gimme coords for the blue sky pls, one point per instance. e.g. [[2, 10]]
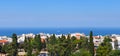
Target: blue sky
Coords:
[[60, 13]]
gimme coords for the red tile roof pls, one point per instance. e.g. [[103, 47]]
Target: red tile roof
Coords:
[[3, 41]]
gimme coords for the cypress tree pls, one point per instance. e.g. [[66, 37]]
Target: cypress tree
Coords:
[[63, 38], [15, 44], [69, 38], [38, 42], [29, 48], [91, 44], [25, 44]]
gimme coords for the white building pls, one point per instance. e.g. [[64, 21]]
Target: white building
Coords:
[[21, 38], [77, 35], [118, 38], [6, 38]]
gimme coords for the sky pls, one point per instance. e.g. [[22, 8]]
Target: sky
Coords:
[[59, 13]]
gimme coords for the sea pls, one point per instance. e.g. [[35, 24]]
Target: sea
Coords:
[[86, 31]]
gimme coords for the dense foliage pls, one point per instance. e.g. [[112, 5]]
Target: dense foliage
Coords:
[[91, 44], [66, 45]]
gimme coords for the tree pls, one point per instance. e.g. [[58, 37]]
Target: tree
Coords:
[[107, 39], [73, 38], [25, 44], [63, 38], [53, 39], [15, 44], [51, 44], [102, 51], [38, 42], [83, 43], [65, 46], [81, 52], [105, 48], [8, 48], [69, 38], [29, 48], [91, 44], [114, 53]]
